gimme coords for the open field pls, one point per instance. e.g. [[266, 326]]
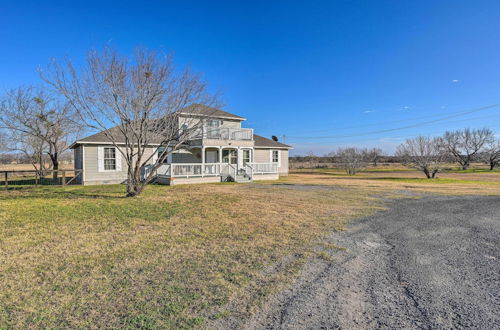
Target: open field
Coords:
[[179, 256], [29, 167], [474, 181]]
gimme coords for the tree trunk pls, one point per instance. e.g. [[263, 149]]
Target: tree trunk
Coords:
[[427, 173], [55, 165], [434, 172], [492, 165], [134, 184]]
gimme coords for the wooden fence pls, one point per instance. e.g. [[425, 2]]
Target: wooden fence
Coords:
[[46, 177]]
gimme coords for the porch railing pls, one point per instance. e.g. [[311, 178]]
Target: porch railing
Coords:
[[209, 169], [264, 168]]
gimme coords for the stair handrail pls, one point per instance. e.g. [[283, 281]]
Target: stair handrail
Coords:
[[251, 169]]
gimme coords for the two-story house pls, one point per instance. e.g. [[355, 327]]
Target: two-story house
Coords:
[[220, 149]]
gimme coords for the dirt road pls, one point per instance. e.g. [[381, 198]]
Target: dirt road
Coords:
[[431, 263]]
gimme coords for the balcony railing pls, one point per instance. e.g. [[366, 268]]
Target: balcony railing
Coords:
[[227, 133]]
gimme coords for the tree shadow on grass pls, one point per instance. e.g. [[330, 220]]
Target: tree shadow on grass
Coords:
[[31, 192]]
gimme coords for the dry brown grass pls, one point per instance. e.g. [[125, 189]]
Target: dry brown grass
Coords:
[[29, 167], [484, 183], [177, 256], [85, 256]]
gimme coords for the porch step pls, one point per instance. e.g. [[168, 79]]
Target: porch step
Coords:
[[243, 179]]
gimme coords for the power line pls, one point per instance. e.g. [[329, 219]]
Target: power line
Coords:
[[458, 114], [325, 143]]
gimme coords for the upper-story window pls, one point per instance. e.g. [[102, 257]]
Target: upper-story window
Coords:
[[215, 123]]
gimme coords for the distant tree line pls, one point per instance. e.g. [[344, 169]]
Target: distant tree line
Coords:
[[427, 154], [37, 126]]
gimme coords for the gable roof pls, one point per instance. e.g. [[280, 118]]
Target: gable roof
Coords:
[[203, 110], [260, 141], [263, 142], [114, 132]]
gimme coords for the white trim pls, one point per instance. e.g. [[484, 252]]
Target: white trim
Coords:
[[83, 164], [109, 143], [118, 160], [154, 157], [271, 156], [190, 114], [100, 159], [286, 148]]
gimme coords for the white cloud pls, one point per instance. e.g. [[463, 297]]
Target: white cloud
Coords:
[[455, 80], [369, 111]]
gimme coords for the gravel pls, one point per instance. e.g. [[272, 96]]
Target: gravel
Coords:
[[428, 263]]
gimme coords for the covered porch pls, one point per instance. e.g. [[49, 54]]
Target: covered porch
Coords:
[[214, 164]]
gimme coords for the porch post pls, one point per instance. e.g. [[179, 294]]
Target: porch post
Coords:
[[202, 161], [220, 155], [239, 159]]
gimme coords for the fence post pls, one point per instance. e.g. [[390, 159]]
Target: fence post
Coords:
[[6, 180], [63, 177]]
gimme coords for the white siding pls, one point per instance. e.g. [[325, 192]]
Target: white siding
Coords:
[[264, 156], [91, 167]]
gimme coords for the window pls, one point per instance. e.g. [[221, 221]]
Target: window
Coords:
[[109, 159], [230, 156], [275, 156], [246, 156], [214, 123], [161, 150]]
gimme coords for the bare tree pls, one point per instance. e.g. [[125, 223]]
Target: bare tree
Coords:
[[464, 145], [32, 148], [3, 142], [352, 160], [491, 154], [374, 155], [141, 98], [38, 123], [423, 153]]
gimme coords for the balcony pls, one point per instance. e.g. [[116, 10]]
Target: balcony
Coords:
[[227, 133]]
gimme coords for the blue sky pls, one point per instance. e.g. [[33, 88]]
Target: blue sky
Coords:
[[323, 73]]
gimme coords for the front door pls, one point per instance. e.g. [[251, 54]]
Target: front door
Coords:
[[230, 156]]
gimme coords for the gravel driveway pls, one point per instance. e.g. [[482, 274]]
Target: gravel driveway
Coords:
[[431, 263]]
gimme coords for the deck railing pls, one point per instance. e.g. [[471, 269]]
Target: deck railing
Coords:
[[209, 169], [264, 168]]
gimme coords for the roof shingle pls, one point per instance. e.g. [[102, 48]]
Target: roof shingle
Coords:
[[203, 110], [261, 141]]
